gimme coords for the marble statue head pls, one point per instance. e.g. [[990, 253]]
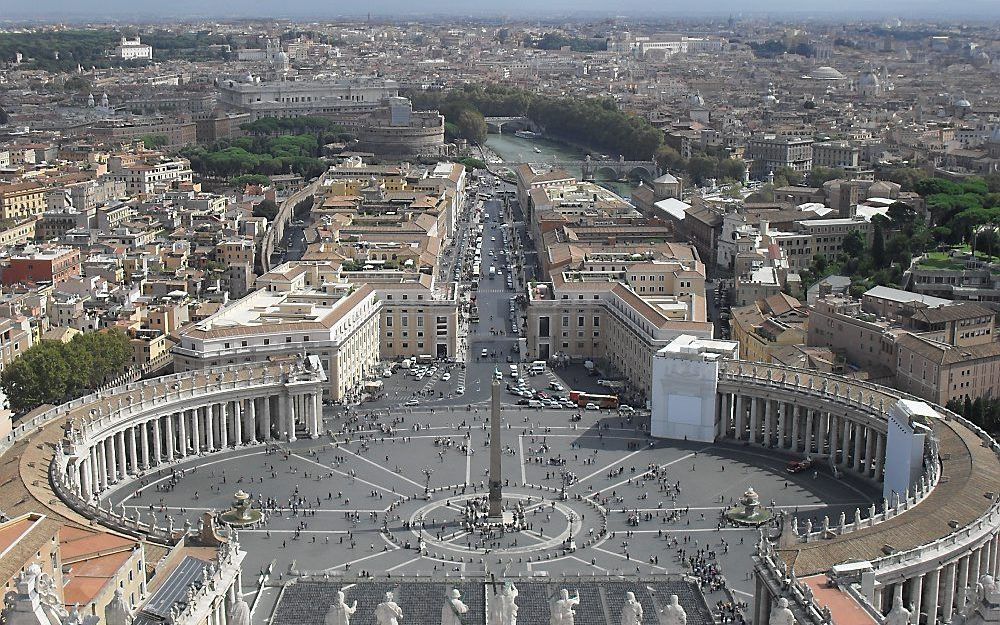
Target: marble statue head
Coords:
[[564, 594], [340, 597], [455, 594], [674, 600], [630, 596], [388, 597], [782, 603]]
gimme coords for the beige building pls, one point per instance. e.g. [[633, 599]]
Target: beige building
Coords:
[[940, 372], [864, 339], [768, 325], [21, 199], [337, 322], [578, 317]]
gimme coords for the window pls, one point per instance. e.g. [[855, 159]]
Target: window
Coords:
[[288, 339], [267, 341]]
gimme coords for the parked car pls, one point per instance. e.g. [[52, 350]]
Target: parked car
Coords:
[[592, 406], [798, 466]]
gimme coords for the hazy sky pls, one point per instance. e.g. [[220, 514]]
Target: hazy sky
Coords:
[[58, 10]]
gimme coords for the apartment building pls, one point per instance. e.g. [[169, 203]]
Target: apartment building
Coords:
[[836, 154], [768, 325], [418, 317], [576, 317], [337, 322], [43, 264], [767, 153], [866, 340], [21, 199], [940, 372], [143, 176]]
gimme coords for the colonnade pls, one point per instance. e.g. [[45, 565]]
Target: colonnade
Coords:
[[145, 443], [939, 594], [777, 423]]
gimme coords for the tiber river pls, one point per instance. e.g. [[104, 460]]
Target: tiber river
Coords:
[[517, 150]]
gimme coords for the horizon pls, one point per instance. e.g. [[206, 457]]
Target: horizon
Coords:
[[112, 11]]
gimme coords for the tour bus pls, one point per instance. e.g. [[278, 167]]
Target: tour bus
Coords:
[[602, 401], [493, 272]]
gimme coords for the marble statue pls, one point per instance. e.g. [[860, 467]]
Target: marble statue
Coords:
[[453, 608], [781, 614], [673, 613], [898, 615], [631, 611], [987, 589], [562, 609], [239, 614], [117, 612], [340, 613], [388, 612], [503, 610]]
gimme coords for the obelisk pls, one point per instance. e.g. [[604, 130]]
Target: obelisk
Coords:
[[496, 497]]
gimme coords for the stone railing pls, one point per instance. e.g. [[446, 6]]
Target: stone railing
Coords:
[[865, 397], [131, 526], [901, 504]]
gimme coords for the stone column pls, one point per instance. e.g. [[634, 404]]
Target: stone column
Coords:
[[133, 460], [83, 480], [974, 567], [754, 419], [810, 431], [287, 416], [265, 417], [991, 556], [237, 423], [963, 582], [210, 427], [932, 583], [182, 432], [252, 420], [796, 417], [741, 418], [170, 438], [120, 455], [916, 597], [144, 444], [102, 462], [879, 456], [119, 452], [845, 459], [859, 439], [196, 429], [318, 412], [870, 438], [948, 594], [157, 442], [223, 425], [768, 422]]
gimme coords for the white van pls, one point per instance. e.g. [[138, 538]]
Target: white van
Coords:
[[534, 403], [537, 367]]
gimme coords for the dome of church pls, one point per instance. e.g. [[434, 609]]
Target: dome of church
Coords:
[[868, 79], [962, 103], [826, 72]]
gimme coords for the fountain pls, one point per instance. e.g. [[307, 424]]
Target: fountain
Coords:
[[748, 511], [240, 514]]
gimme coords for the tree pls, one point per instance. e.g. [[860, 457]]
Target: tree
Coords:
[[471, 126], [51, 372], [790, 176], [819, 175], [854, 244], [267, 209], [878, 245], [153, 142]]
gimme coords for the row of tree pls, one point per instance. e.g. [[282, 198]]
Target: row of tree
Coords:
[[52, 372], [983, 411], [592, 122], [263, 155]]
